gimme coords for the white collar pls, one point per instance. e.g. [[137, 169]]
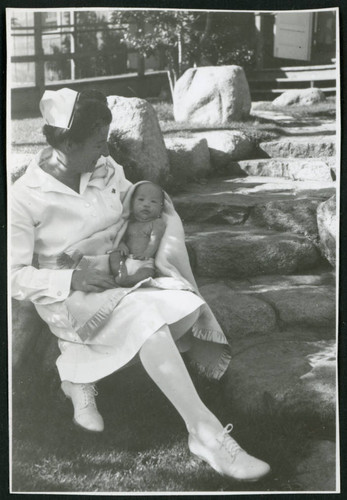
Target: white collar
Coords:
[[35, 176]]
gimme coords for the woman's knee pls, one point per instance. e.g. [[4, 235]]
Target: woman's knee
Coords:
[[183, 325]]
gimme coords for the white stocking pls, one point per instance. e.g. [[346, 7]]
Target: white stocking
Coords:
[[164, 364]]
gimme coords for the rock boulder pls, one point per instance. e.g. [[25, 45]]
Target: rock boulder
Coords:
[[26, 328], [239, 314], [212, 95], [213, 212], [297, 377], [189, 159], [247, 251], [299, 216], [297, 169], [327, 227], [302, 97], [304, 147], [305, 305], [226, 146], [136, 141], [34, 347]]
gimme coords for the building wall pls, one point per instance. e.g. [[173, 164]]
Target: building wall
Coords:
[[323, 49]]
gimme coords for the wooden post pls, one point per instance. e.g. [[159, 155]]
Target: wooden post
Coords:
[[140, 57], [73, 44], [39, 60], [179, 53], [140, 65], [260, 42]]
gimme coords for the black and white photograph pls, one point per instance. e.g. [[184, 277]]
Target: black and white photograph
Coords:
[[173, 187]]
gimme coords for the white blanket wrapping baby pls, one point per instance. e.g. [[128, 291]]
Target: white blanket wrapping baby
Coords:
[[88, 312]]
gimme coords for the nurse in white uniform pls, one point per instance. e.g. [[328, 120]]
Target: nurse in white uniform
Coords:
[[70, 191]]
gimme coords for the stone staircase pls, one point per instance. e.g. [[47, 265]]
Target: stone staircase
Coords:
[[253, 245]]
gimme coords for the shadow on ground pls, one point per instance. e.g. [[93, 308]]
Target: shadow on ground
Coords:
[[144, 445]]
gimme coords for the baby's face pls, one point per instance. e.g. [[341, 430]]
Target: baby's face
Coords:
[[147, 202]]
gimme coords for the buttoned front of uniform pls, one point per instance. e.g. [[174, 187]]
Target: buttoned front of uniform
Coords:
[[47, 217]]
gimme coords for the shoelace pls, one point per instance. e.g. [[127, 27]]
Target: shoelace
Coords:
[[89, 392], [228, 443]]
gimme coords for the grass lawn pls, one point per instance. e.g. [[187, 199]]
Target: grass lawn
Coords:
[[27, 136], [326, 109], [144, 445]]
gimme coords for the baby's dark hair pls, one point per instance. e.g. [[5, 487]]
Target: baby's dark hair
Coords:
[[153, 184], [91, 113]]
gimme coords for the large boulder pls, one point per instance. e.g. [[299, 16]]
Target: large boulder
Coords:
[[327, 227], [189, 159], [299, 97], [136, 141], [226, 146], [212, 96], [239, 314], [34, 348], [236, 252], [297, 216], [26, 328], [292, 376]]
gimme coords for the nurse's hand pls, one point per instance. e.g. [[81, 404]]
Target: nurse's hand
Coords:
[[91, 280]]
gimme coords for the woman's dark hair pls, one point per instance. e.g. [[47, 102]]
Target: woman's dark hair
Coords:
[[91, 113]]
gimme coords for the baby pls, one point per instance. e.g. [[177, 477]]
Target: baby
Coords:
[[133, 260]]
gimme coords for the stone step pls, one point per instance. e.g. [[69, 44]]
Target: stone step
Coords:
[[300, 147], [279, 376], [223, 145], [264, 304], [281, 331], [297, 169], [276, 203], [244, 251]]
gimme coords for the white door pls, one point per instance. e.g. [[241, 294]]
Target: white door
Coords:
[[293, 35]]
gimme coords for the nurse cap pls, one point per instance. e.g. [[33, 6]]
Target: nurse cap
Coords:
[[58, 107]]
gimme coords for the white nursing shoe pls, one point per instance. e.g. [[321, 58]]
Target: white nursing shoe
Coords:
[[86, 414], [224, 455]]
